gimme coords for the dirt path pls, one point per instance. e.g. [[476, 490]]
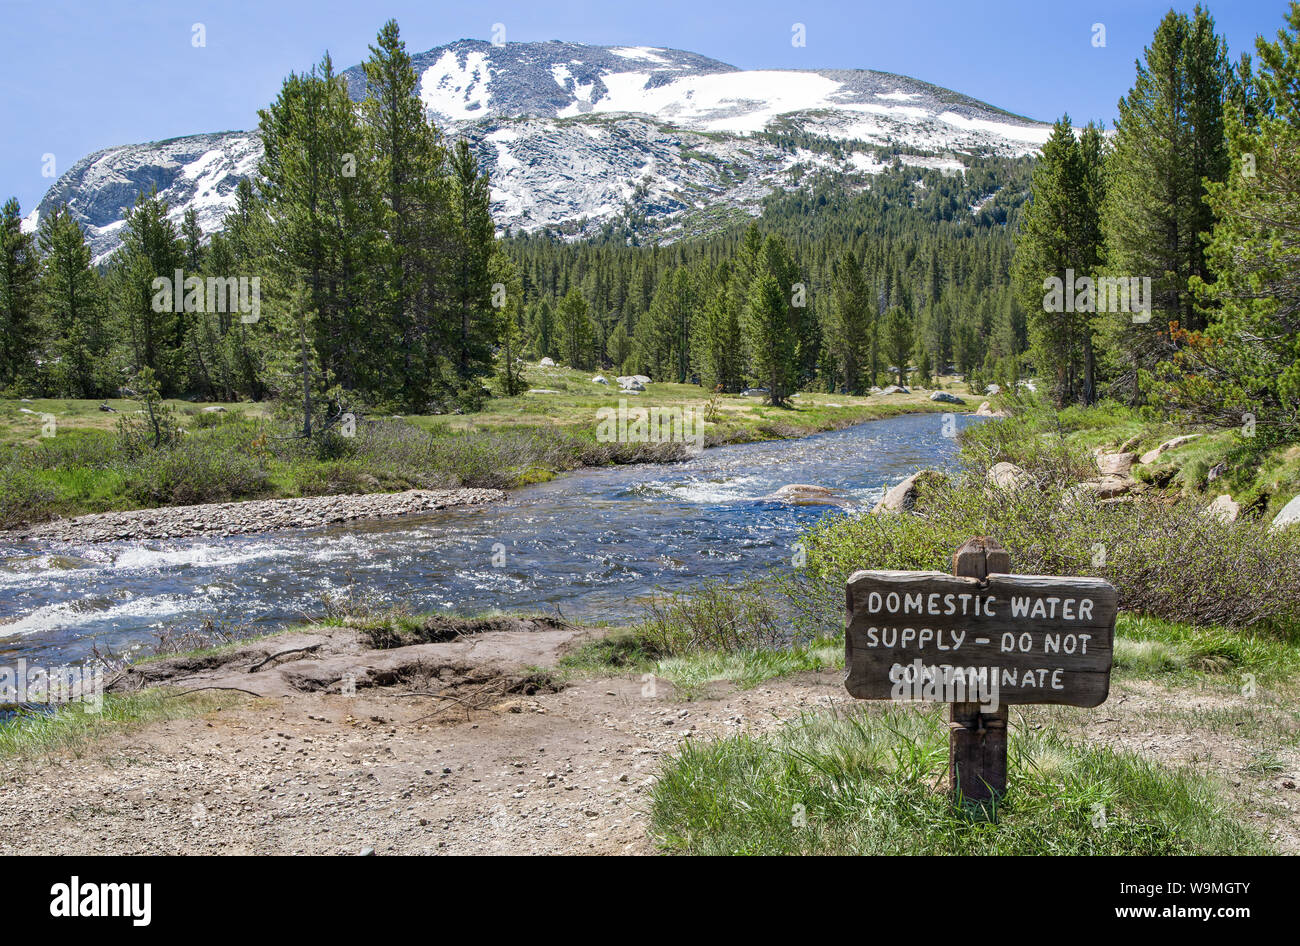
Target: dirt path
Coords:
[[313, 767]]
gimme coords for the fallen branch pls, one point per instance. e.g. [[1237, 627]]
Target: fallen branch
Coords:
[[284, 653], [197, 689]]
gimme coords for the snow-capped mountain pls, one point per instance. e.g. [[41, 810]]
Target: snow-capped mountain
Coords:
[[576, 136]]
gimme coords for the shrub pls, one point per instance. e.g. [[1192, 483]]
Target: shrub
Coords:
[[90, 449], [1165, 557], [195, 470], [25, 497], [712, 617], [1031, 444]]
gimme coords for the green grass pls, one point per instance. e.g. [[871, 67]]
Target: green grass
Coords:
[[1150, 648], [1258, 473], [864, 783], [70, 729], [691, 674], [71, 414]]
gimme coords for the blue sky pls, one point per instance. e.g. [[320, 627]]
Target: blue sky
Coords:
[[79, 75]]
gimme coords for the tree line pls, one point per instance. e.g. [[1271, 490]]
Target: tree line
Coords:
[[904, 276], [382, 283]]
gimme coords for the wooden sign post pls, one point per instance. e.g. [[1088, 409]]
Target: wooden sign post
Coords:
[[979, 639]]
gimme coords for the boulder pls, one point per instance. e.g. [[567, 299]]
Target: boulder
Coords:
[[1224, 508], [1109, 487], [600, 379], [895, 389], [1008, 476], [993, 389], [754, 392], [1289, 516], [215, 409], [946, 397], [902, 497], [985, 411], [546, 363], [804, 493], [1216, 471], [1152, 455], [1103, 489], [1115, 464]]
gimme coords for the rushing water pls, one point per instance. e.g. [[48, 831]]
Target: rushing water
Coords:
[[589, 544]]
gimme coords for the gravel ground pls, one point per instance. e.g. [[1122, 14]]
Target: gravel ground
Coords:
[[493, 764]]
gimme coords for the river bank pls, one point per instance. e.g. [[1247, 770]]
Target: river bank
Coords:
[[236, 452], [252, 516]]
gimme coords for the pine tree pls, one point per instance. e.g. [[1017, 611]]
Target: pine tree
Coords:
[[770, 337], [320, 198], [1060, 239], [717, 346], [899, 340], [408, 158], [1169, 137], [575, 330], [155, 326], [192, 235], [19, 272], [663, 336], [541, 329], [507, 293], [851, 323], [619, 346], [471, 249], [242, 251], [70, 297], [1249, 362]]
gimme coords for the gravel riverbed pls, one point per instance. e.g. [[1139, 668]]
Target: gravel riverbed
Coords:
[[260, 515]]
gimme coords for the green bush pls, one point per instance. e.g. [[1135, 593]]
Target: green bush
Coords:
[[25, 497], [1165, 557], [195, 470], [712, 617]]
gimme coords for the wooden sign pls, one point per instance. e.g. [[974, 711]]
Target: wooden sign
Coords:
[[979, 639], [1014, 638]]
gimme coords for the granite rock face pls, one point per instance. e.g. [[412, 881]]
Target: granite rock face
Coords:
[[578, 138]]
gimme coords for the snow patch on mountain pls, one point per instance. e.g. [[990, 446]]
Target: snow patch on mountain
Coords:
[[575, 136], [199, 171]]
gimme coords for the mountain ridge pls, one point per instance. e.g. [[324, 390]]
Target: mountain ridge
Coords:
[[577, 136]]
